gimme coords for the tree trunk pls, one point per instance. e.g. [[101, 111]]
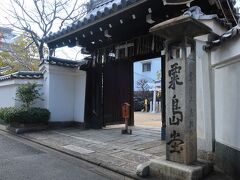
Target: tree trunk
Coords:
[[40, 51]]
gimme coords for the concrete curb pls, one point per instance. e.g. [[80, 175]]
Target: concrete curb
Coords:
[[26, 129], [76, 155]]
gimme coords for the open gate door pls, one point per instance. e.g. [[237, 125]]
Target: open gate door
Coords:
[[118, 89]]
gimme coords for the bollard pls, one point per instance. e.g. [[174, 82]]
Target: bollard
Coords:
[[125, 116]]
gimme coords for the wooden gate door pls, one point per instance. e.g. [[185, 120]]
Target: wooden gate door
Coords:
[[118, 88], [94, 92]]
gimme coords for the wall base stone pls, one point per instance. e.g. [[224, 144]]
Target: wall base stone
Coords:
[[227, 160], [167, 170], [27, 128]]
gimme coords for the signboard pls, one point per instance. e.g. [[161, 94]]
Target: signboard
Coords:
[[125, 110]]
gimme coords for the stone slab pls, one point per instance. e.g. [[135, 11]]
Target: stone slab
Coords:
[[179, 27], [149, 145], [78, 149], [156, 150], [130, 156], [167, 170]]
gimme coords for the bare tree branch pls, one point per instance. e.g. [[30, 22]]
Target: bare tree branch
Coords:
[[42, 17]]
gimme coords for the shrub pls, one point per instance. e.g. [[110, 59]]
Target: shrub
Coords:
[[27, 93], [24, 115], [1, 119], [1, 116], [5, 114]]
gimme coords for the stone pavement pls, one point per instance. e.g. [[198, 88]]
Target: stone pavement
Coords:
[[106, 147]]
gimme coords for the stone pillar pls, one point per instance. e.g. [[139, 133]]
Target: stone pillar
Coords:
[[181, 137], [180, 69], [154, 100], [159, 106], [151, 105], [180, 86]]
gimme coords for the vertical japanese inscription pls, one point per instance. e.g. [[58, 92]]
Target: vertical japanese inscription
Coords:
[[173, 73], [177, 115], [175, 143]]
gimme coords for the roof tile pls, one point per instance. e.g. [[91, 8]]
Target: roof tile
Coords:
[[98, 12]]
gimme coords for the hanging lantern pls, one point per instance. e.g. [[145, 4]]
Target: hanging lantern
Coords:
[[176, 2]]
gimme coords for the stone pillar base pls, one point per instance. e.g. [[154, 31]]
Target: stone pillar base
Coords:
[[167, 170]]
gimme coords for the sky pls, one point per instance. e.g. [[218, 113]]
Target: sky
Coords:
[[238, 3], [67, 53], [5, 4]]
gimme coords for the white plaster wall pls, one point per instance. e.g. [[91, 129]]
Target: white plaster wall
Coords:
[[205, 131], [205, 89], [218, 99], [61, 102], [7, 93], [65, 93], [226, 65], [80, 84], [8, 90], [46, 88]]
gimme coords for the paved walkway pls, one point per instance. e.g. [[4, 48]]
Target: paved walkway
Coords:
[[106, 147], [147, 119]]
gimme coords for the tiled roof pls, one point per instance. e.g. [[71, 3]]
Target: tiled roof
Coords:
[[23, 75], [100, 11], [235, 31], [64, 62]]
